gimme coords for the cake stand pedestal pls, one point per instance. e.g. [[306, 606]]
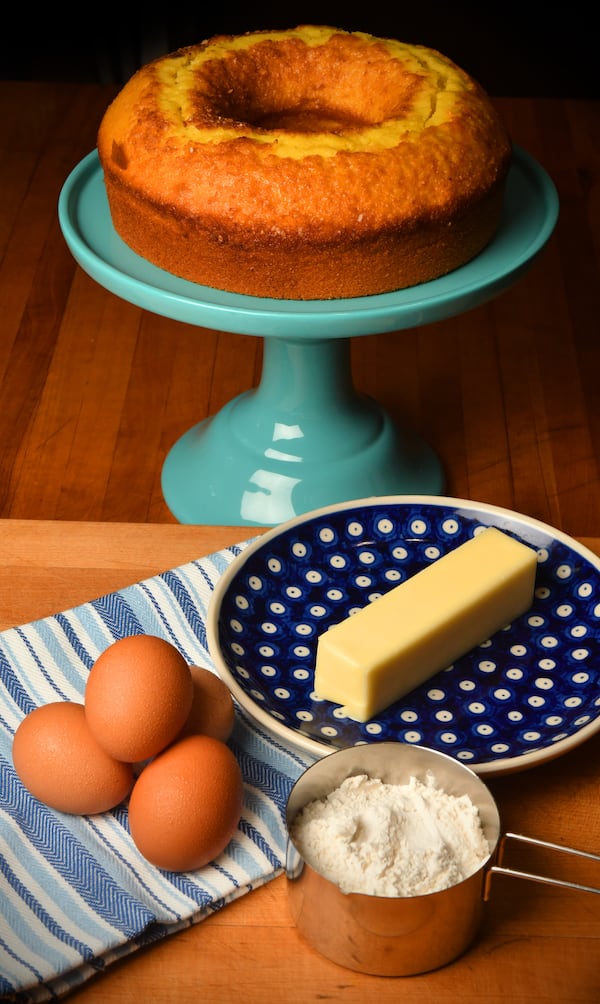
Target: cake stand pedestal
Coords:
[[304, 437]]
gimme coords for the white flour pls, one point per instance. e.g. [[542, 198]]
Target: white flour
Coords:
[[391, 839]]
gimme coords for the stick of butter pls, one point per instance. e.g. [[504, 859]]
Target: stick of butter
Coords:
[[379, 654]]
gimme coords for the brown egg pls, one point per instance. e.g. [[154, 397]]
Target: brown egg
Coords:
[[60, 762], [212, 712], [186, 804], [138, 696]]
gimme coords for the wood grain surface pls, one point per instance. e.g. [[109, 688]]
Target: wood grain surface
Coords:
[[95, 391], [537, 944]]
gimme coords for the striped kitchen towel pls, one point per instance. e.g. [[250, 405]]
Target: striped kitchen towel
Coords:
[[75, 894]]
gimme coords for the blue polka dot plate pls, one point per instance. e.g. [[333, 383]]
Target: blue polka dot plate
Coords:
[[528, 694]]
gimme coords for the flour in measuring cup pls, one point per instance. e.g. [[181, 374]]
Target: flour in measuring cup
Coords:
[[391, 839]]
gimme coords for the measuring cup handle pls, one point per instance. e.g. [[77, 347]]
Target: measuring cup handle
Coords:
[[499, 869]]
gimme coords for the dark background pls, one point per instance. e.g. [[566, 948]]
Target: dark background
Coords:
[[533, 50]]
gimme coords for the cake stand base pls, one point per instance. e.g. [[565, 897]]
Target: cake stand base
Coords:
[[304, 438], [203, 484]]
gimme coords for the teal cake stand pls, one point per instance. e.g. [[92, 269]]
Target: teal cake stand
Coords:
[[304, 437]]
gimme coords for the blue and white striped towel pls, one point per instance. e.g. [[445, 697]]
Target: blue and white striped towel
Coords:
[[75, 894]]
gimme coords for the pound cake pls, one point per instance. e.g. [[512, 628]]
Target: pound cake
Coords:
[[309, 163]]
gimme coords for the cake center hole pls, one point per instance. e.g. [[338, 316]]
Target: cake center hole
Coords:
[[299, 89], [303, 90], [308, 120]]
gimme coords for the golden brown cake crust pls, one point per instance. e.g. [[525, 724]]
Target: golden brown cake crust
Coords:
[[304, 164]]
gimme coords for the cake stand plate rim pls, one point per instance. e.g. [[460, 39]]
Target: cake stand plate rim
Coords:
[[531, 212]]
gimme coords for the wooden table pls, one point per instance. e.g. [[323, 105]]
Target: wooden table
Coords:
[[93, 393], [537, 944]]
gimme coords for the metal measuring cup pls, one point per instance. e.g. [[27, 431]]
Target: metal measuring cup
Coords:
[[398, 936]]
